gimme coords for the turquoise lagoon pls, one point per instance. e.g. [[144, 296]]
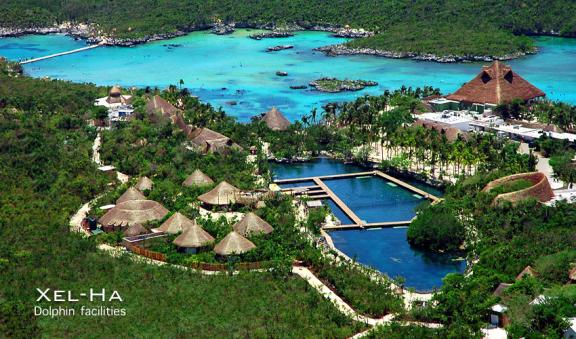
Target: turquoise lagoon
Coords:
[[221, 69], [373, 199]]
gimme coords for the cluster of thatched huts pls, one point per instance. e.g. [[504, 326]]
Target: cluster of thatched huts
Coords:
[[133, 209]]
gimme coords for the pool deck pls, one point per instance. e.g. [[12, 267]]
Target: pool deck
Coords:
[[321, 191]]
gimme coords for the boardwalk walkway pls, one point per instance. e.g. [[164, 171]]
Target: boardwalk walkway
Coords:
[[60, 54], [319, 190]]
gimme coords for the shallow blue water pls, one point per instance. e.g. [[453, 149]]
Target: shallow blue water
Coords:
[[388, 251], [220, 69], [374, 200]]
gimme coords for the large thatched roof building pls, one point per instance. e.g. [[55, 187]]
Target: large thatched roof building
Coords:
[[232, 244], [275, 120], [158, 105], [209, 141], [252, 224], [197, 178], [132, 212], [130, 194], [177, 223], [496, 84], [144, 184], [221, 195], [193, 238]]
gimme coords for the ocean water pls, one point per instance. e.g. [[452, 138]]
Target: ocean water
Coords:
[[373, 199], [222, 69]]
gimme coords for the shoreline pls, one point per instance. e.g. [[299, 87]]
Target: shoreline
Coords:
[[91, 34], [341, 49]]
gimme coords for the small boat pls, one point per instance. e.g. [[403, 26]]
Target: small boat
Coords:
[[281, 73], [298, 87]]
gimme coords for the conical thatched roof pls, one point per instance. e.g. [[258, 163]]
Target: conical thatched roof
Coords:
[[178, 222], [197, 178], [131, 194], [223, 194], [275, 120], [193, 237], [144, 184], [115, 91], [233, 243], [132, 212], [252, 224], [135, 229]]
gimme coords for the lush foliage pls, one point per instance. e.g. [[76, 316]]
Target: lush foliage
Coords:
[[436, 228], [446, 38], [45, 175], [451, 27]]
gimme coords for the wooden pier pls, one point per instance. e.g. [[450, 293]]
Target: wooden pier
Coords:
[[60, 54], [319, 190], [385, 224]]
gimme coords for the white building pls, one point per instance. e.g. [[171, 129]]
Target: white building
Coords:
[[119, 105]]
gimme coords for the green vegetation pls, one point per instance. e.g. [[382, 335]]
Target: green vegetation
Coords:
[[560, 114], [504, 240], [511, 186], [436, 228], [449, 27], [446, 38], [45, 175]]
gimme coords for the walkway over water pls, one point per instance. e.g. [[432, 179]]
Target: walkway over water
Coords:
[[60, 54], [319, 190]]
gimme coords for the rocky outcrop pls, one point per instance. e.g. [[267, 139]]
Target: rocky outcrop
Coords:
[[353, 33], [220, 28], [335, 50], [279, 48], [333, 85], [272, 34]]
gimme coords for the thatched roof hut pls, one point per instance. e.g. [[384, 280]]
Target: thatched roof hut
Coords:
[[115, 96], [496, 84], [130, 194], [275, 120], [193, 237], [197, 178], [209, 141], [221, 195], [177, 223], [134, 230], [252, 224], [233, 243], [158, 105], [144, 183], [132, 212]]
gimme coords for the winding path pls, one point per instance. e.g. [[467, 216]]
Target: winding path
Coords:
[[303, 272]]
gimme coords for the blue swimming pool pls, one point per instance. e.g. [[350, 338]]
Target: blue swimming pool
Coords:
[[375, 199]]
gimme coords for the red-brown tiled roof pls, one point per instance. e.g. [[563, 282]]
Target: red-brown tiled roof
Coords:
[[496, 84]]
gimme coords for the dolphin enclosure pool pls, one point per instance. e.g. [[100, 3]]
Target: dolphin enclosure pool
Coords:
[[375, 200]]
